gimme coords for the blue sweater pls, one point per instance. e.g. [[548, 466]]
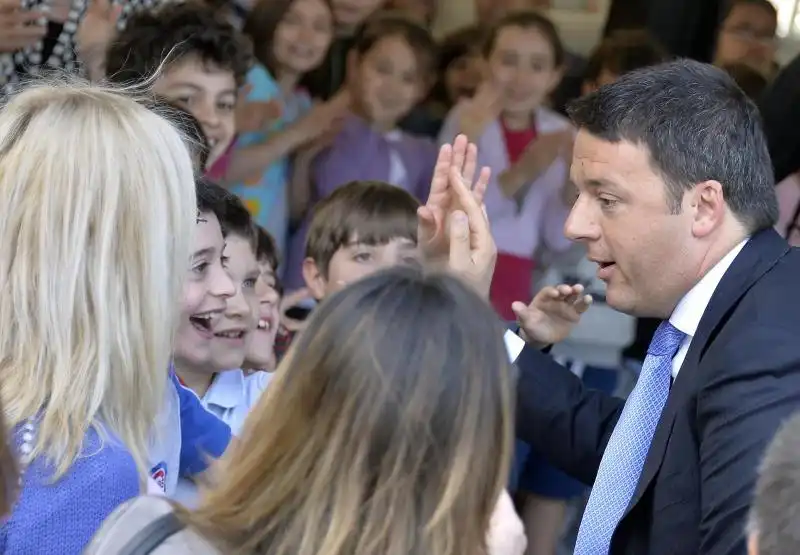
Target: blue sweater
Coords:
[[61, 518]]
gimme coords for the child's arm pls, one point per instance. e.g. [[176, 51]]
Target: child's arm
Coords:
[[255, 159], [301, 182], [552, 314], [535, 161], [471, 117], [95, 32]]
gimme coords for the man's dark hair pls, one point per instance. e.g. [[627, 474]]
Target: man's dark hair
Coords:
[[775, 511], [177, 31], [697, 125], [624, 51], [228, 208]]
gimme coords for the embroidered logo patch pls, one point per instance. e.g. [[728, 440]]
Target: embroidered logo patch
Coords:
[[159, 475]]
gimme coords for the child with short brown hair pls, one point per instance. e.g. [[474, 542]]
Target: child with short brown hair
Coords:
[[362, 227]]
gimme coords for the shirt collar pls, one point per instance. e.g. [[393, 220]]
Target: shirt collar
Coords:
[[687, 315], [227, 389]]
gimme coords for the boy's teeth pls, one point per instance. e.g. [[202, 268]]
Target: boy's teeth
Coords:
[[263, 324]]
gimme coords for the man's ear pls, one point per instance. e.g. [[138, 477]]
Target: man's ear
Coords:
[[314, 279]]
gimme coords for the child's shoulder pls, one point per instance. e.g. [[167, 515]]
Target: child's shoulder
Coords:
[[549, 121], [262, 84]]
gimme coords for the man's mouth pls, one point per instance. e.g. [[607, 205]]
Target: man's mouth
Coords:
[[604, 269], [265, 324]]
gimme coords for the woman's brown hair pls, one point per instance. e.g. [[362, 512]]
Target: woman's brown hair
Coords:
[[387, 429]]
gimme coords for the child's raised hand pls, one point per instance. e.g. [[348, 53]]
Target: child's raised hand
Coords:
[[255, 115], [432, 230], [19, 27], [324, 117], [479, 111], [552, 314], [98, 25]]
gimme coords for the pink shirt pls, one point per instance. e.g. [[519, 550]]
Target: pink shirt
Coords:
[[219, 168]]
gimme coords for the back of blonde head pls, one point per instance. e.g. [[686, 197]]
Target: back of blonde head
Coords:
[[96, 221]]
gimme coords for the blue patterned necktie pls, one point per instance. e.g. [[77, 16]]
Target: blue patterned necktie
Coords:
[[627, 448]]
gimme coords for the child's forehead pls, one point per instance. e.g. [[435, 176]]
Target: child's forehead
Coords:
[[355, 241], [192, 71]]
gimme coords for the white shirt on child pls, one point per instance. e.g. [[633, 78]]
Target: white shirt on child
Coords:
[[231, 396]]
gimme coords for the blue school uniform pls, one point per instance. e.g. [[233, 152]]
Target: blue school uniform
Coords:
[[187, 436]]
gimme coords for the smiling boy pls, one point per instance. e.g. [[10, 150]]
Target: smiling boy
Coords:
[[204, 58]]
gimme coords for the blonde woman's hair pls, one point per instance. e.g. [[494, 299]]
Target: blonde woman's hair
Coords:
[[388, 429], [96, 224]]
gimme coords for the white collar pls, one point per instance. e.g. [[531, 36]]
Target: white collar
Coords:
[[227, 389], [687, 315]]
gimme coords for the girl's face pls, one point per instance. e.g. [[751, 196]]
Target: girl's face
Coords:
[[303, 36], [748, 36], [205, 295], [389, 81], [462, 76], [261, 352], [522, 67]]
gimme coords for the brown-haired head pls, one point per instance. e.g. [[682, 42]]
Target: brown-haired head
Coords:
[[388, 428], [261, 24], [395, 24], [622, 52], [527, 19], [369, 212]]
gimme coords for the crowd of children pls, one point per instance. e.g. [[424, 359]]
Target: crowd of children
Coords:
[[323, 119]]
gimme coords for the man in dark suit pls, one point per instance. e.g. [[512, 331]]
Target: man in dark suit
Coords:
[[676, 206]]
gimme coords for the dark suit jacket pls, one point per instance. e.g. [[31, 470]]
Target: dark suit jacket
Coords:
[[739, 381]]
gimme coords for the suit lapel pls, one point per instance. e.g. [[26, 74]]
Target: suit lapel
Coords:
[[757, 257]]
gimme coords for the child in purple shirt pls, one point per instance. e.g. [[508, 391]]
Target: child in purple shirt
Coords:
[[394, 61]]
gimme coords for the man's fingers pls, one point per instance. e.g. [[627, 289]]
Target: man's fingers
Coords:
[[583, 303]]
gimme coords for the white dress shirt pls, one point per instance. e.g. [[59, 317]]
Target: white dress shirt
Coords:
[[687, 315]]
